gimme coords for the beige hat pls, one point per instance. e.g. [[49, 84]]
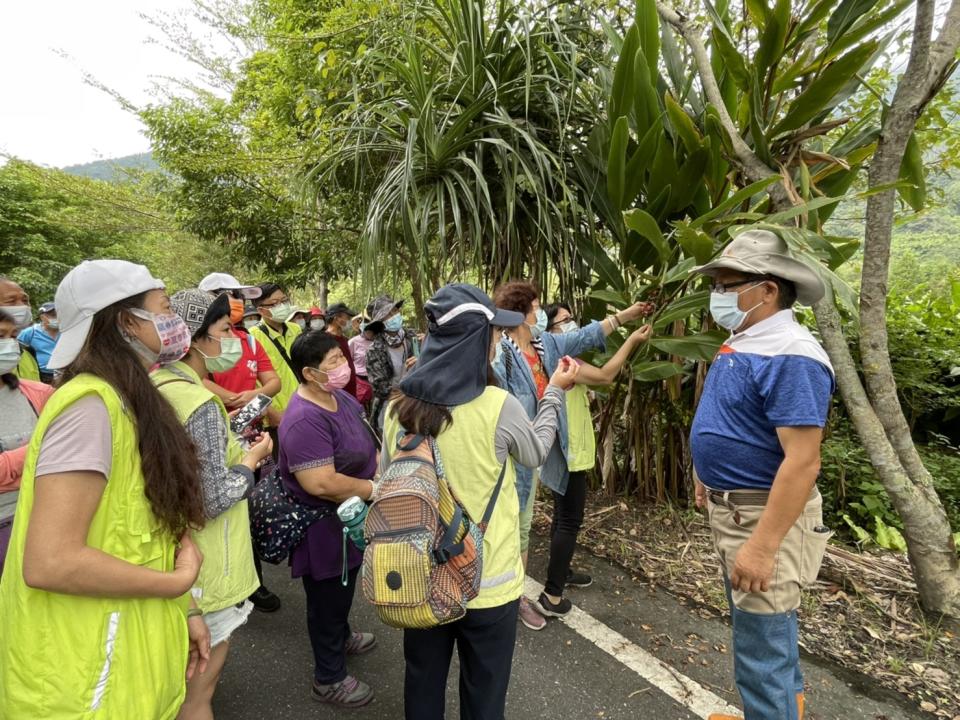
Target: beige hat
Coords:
[[761, 252]]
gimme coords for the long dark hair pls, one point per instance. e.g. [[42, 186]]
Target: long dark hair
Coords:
[[168, 457]]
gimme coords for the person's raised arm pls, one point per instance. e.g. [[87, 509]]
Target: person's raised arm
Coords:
[[57, 558], [591, 375]]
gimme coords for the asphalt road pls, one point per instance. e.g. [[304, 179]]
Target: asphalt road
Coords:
[[557, 673]]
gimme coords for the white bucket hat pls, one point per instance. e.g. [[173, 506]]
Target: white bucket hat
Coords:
[[761, 252], [84, 291], [223, 281]]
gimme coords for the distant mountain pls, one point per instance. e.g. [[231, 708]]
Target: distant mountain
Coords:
[[112, 169]]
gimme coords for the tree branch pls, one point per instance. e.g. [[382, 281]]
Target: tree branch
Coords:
[[751, 165]]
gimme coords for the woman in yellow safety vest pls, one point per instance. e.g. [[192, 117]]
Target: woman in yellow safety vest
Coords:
[[480, 431], [228, 575], [94, 597]]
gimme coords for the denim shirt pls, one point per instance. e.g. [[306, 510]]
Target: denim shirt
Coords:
[[522, 386]]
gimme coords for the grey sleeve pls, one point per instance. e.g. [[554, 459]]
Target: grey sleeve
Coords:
[[79, 440], [223, 487], [528, 442]]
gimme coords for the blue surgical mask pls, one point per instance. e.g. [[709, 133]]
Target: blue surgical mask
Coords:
[[541, 325], [725, 309], [9, 355], [394, 324]]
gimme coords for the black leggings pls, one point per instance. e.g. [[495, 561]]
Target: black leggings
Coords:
[[567, 521]]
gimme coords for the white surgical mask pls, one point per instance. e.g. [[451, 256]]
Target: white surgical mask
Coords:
[[21, 314], [316, 324], [281, 313], [569, 326], [9, 355], [725, 309], [540, 327], [300, 323]]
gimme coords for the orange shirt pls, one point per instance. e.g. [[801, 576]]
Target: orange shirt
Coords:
[[539, 374]]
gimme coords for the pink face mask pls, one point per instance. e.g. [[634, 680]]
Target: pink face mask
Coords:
[[173, 333], [337, 378]]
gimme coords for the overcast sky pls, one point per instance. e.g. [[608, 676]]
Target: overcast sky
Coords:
[[48, 114]]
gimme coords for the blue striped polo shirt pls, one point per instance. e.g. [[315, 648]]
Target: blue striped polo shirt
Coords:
[[773, 374]]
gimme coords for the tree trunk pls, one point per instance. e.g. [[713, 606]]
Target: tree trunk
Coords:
[[323, 292]]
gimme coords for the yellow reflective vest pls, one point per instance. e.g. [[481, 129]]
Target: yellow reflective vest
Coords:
[[581, 440], [228, 575], [269, 338], [27, 368], [69, 656], [469, 454]]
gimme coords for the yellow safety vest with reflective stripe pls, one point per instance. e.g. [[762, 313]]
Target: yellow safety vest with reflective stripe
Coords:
[[581, 441], [69, 656], [27, 368], [468, 451], [228, 575], [288, 381]]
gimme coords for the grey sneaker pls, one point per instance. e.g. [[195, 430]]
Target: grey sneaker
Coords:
[[530, 617], [348, 693], [360, 642]]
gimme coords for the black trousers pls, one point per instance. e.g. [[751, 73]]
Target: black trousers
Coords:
[[484, 640], [328, 610], [567, 521]]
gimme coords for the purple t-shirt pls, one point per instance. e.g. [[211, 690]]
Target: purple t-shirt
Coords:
[[311, 437]]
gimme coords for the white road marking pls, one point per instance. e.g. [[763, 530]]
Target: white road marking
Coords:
[[689, 693]]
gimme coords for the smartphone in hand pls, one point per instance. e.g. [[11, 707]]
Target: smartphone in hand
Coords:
[[250, 413]]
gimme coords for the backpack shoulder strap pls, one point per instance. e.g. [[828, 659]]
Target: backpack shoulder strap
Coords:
[[493, 498], [282, 350]]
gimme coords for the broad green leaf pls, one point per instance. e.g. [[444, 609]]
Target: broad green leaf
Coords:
[[814, 99], [636, 171], [617, 161], [695, 347], [783, 216], [677, 71], [682, 125], [680, 271], [652, 371], [911, 170], [695, 243], [732, 59], [759, 12], [739, 197], [598, 260], [772, 38], [641, 222], [622, 96], [846, 14], [648, 24], [862, 535], [618, 300], [682, 308], [888, 536], [955, 293], [690, 179]]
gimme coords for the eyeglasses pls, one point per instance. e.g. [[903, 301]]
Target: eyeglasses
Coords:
[[724, 287], [273, 304]]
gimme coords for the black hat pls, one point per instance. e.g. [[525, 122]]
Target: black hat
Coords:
[[337, 309], [454, 362]]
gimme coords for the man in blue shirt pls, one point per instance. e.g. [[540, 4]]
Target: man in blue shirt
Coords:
[[756, 451], [42, 338]]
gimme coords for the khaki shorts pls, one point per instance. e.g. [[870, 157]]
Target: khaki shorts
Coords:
[[797, 562]]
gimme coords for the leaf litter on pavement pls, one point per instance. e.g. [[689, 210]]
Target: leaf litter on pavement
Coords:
[[862, 614]]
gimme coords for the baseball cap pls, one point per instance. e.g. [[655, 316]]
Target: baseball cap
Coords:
[[338, 309], [87, 289], [48, 307], [223, 281], [460, 299]]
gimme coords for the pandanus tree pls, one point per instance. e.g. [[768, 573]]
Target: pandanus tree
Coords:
[[458, 138]]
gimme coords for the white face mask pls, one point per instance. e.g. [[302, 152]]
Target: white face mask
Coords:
[[9, 355], [300, 323], [251, 322], [316, 324], [21, 314]]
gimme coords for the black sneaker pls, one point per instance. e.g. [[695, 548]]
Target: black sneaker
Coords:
[[579, 580], [264, 600], [549, 609]]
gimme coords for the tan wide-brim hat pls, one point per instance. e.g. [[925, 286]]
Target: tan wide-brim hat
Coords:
[[761, 252]]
